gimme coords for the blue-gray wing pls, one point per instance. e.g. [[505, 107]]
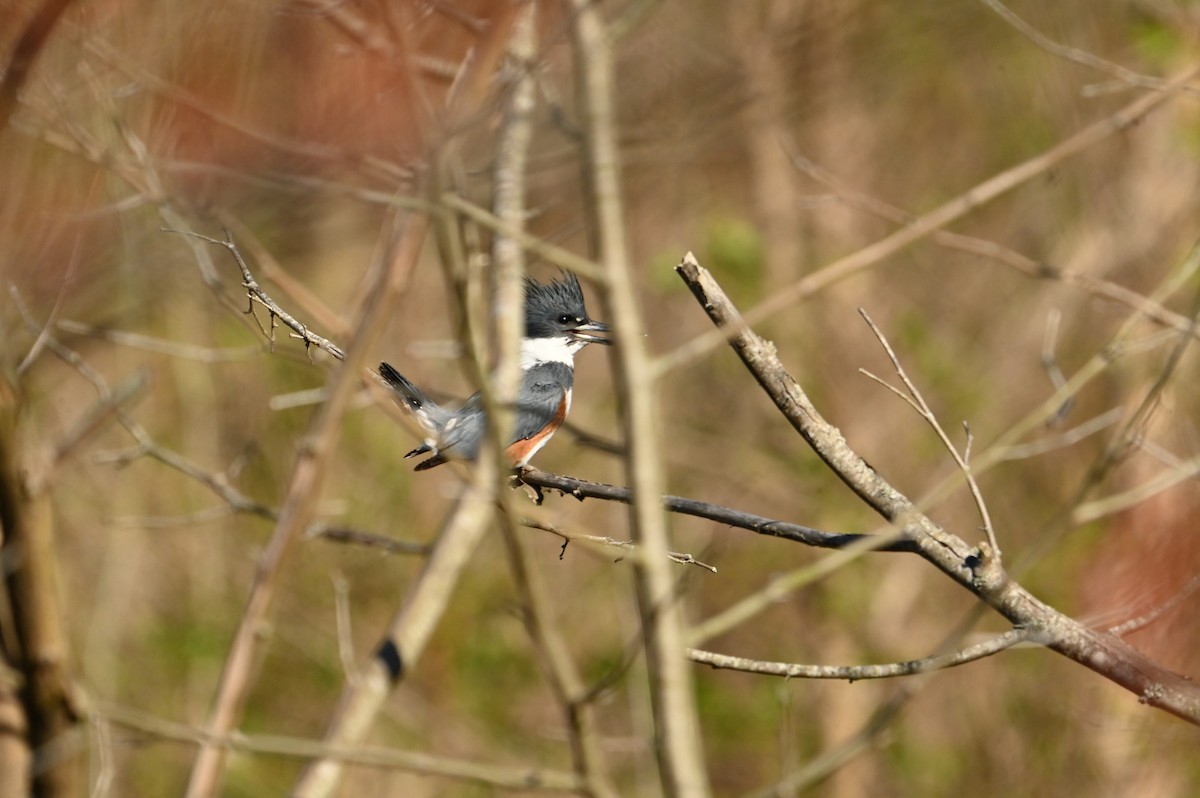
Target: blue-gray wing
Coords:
[[542, 391], [541, 408]]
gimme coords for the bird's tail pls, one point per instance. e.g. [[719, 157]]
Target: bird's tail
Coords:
[[428, 412], [414, 398]]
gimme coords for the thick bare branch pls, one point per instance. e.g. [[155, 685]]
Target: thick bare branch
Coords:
[[39, 636], [974, 568], [508, 255]]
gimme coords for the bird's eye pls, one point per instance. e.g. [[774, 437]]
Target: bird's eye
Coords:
[[565, 319]]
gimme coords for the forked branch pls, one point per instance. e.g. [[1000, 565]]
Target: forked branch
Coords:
[[976, 569]]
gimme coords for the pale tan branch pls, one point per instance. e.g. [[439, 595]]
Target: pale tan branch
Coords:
[[1119, 502], [535, 244], [497, 776], [1065, 439], [854, 673], [677, 727], [407, 634], [781, 586], [834, 759], [1123, 74], [560, 668], [299, 507], [928, 223], [147, 343], [1035, 269], [37, 645], [600, 543]]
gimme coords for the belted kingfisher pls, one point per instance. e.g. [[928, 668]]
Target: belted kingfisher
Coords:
[[556, 327]]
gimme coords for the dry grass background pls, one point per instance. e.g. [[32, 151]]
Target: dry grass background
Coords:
[[268, 116]]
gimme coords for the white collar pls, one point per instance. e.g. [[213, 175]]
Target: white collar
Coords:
[[535, 351]]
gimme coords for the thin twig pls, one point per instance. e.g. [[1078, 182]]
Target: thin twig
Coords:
[[551, 253], [602, 542], [836, 758], [1061, 441], [257, 294], [96, 417], [146, 343], [582, 489], [1142, 621], [854, 673], [345, 637], [781, 586], [1050, 364], [984, 248], [1118, 502], [1123, 74], [1122, 344], [500, 777], [371, 540], [105, 771], [927, 224], [559, 665], [918, 403]]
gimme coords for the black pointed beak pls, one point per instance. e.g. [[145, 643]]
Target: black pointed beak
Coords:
[[583, 332]]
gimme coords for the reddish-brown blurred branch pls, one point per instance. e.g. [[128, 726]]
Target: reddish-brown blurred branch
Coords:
[[25, 53], [976, 568]]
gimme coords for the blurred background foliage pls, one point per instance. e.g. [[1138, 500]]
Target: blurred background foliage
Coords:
[[270, 118]]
